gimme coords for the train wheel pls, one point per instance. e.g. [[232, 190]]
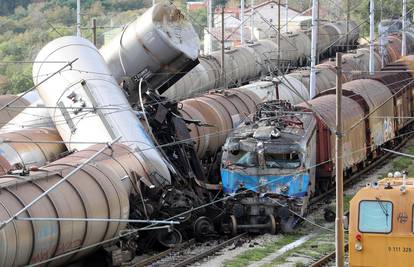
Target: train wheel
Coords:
[[170, 239], [203, 227], [273, 224], [233, 224]]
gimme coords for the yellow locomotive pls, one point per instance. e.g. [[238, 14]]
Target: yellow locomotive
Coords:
[[381, 224]]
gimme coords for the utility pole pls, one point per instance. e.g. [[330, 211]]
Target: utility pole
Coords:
[[339, 226], [371, 37], [381, 38], [242, 22], [286, 15], [404, 36], [251, 20], [317, 32], [223, 70], [78, 19], [348, 16], [94, 31], [314, 40], [208, 36], [278, 34]]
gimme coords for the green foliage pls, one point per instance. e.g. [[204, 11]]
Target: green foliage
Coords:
[[7, 6], [402, 163], [199, 20], [26, 26], [390, 9], [259, 253]]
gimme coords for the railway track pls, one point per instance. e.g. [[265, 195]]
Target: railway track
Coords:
[[190, 252], [186, 254], [329, 258], [379, 162]]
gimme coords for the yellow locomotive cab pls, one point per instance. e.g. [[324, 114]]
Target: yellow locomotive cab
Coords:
[[381, 229]]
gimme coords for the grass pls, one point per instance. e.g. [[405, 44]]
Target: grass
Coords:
[[259, 253], [404, 163], [314, 248], [347, 199]]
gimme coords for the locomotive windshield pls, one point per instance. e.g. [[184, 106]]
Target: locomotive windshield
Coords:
[[244, 159], [272, 160], [284, 161]]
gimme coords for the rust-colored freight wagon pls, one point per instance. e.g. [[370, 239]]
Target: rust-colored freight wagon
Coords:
[[393, 48], [377, 96], [354, 141], [399, 80]]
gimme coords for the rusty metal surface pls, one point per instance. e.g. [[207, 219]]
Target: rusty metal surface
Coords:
[[364, 52], [220, 112], [96, 191], [10, 112], [351, 114], [400, 82], [242, 69], [325, 77], [198, 134], [19, 149], [158, 45], [376, 95], [333, 34], [393, 48]]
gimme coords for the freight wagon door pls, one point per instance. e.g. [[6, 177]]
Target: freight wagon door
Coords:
[[323, 153]]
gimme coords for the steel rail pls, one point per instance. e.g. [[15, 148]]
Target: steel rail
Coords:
[[162, 254], [327, 258], [186, 259], [208, 252]]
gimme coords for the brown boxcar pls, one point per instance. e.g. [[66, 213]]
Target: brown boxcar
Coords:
[[354, 141], [381, 120], [400, 82]]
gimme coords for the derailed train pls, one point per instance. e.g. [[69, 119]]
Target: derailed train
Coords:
[[252, 61], [132, 180], [285, 157]]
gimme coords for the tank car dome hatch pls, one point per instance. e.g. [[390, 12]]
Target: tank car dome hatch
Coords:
[[159, 47]]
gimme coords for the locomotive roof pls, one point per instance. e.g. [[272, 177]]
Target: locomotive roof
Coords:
[[277, 138]]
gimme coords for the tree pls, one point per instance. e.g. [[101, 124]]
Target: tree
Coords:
[[199, 17]]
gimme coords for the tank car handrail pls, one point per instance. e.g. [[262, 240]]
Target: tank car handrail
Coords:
[[108, 145]]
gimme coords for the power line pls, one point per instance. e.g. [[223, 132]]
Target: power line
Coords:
[[134, 231]]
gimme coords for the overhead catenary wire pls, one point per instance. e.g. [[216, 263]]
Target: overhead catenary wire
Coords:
[[135, 231], [291, 88], [379, 106], [69, 64], [46, 192], [398, 153]]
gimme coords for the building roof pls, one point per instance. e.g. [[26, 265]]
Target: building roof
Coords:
[[271, 2], [230, 34], [191, 6], [233, 10]]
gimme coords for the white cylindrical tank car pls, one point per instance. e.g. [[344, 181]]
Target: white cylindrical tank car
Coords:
[[90, 107], [160, 46]]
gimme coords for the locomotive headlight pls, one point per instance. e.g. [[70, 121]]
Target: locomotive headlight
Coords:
[[358, 246]]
